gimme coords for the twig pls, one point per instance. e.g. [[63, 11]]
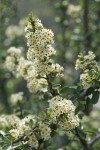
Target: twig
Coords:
[[83, 141], [84, 93], [94, 139]]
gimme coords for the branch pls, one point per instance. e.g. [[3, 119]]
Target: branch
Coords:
[[84, 93], [94, 139], [83, 141]]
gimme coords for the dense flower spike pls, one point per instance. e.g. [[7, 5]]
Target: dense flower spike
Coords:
[[89, 67], [39, 41], [62, 112]]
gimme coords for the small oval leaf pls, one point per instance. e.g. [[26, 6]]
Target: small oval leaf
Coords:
[[95, 97]]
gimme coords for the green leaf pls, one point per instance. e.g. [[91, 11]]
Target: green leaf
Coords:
[[65, 88], [56, 86], [7, 147], [97, 84], [89, 106], [82, 102], [90, 91], [95, 97]]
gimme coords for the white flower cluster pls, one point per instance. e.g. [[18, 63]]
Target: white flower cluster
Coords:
[[16, 97], [26, 69], [89, 68], [33, 142], [8, 121], [25, 127], [11, 63], [45, 131], [85, 79], [86, 61], [14, 31], [73, 10], [62, 112]]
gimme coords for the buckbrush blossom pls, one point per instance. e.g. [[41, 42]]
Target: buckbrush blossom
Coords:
[[36, 70], [39, 41], [38, 64]]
